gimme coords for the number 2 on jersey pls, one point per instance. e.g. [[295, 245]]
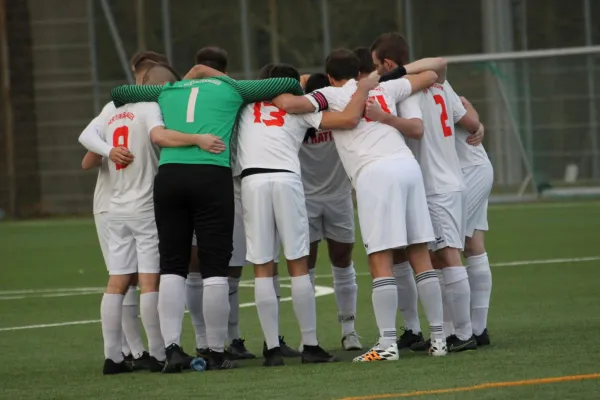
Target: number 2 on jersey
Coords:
[[121, 138], [444, 115], [276, 116], [381, 100]]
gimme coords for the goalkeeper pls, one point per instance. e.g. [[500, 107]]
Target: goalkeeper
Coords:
[[193, 191]]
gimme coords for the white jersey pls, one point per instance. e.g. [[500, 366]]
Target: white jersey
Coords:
[[103, 186], [271, 138], [323, 174], [436, 151], [132, 185], [467, 155], [370, 140]]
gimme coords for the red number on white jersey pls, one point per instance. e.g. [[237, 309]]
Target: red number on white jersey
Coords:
[[444, 115], [276, 116], [121, 138], [381, 100]]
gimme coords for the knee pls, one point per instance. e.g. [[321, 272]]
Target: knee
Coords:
[[341, 255], [118, 284]]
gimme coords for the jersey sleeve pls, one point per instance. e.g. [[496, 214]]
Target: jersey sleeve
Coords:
[[313, 120], [92, 137], [397, 89], [458, 110], [135, 94], [153, 116], [411, 107], [322, 98], [265, 89]]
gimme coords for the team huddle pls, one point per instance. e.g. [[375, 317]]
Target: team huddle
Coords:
[[202, 175]]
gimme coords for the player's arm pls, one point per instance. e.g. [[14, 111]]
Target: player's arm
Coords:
[[265, 89], [438, 65], [91, 160], [411, 126], [200, 71], [470, 120], [135, 94], [164, 137], [296, 104], [350, 117], [91, 138]]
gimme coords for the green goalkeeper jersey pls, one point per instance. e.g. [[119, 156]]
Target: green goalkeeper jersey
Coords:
[[208, 105]]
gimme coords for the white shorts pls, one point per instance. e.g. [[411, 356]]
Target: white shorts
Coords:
[[449, 219], [102, 231], [478, 180], [274, 204], [392, 207], [331, 218], [238, 257], [133, 246]]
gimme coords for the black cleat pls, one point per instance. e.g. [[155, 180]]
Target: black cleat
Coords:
[[315, 355], [128, 358], [216, 361], [456, 345], [202, 352], [176, 359], [237, 350], [113, 368], [423, 345], [287, 351], [483, 339], [408, 338], [187, 360], [273, 357], [142, 363]]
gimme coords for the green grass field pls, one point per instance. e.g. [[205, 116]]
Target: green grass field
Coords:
[[544, 322]]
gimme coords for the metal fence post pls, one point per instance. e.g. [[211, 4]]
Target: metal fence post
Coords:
[[591, 84], [93, 56], [408, 28], [245, 31], [112, 26], [325, 24], [166, 20]]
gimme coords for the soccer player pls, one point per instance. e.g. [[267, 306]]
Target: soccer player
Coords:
[[478, 174], [274, 205], [392, 208], [365, 66], [444, 185], [184, 204], [330, 210]]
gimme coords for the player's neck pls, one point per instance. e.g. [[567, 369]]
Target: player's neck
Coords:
[[362, 76], [339, 83]]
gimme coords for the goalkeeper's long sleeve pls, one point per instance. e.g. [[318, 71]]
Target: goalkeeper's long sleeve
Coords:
[[135, 94], [263, 89]]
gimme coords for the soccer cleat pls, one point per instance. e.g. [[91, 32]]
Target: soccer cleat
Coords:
[[176, 359], [287, 351], [187, 362], [113, 368], [438, 348], [316, 355], [456, 345], [237, 350], [202, 352], [377, 353], [216, 361], [273, 357], [350, 342], [483, 339], [423, 345], [408, 338]]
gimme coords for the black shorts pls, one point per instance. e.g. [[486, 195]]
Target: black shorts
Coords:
[[194, 198]]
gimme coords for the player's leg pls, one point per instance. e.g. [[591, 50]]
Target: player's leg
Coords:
[[213, 213], [259, 224], [314, 211], [194, 291], [338, 222], [407, 300], [286, 350], [292, 225], [148, 263], [174, 225]]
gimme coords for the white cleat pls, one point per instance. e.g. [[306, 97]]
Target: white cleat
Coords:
[[379, 354], [350, 342], [438, 348]]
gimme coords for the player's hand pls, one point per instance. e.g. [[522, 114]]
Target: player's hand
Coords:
[[466, 103], [374, 75], [210, 143], [368, 83], [373, 111], [121, 155], [476, 137], [303, 80]]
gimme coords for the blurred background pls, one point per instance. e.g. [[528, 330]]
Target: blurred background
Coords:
[[530, 67]]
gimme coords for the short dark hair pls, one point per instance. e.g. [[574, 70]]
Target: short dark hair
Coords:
[[265, 71], [284, 71], [145, 59], [214, 57], [160, 73], [342, 64], [366, 65], [316, 81], [392, 46]]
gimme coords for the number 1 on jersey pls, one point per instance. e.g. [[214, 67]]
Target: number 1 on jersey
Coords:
[[444, 115], [191, 107]]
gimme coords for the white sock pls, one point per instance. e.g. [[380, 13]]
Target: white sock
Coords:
[[131, 323], [194, 291], [171, 307], [303, 300], [268, 310], [385, 305], [111, 310], [407, 296], [124, 346], [430, 294], [480, 281], [277, 288], [446, 300], [216, 311], [233, 329], [149, 311], [311, 273], [345, 290], [459, 293]]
